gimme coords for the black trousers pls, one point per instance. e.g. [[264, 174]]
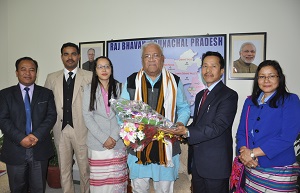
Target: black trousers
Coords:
[[206, 185], [31, 175]]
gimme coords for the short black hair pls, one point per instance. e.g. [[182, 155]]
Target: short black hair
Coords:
[[26, 58], [217, 54], [69, 44]]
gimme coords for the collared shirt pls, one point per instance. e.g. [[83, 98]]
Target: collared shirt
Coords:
[[152, 82], [66, 73], [210, 88], [265, 99], [213, 86], [30, 92]]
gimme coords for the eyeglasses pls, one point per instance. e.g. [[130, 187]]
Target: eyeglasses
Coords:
[[154, 56], [107, 67], [271, 77]]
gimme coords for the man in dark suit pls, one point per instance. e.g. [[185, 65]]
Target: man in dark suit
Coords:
[[27, 141], [209, 136]]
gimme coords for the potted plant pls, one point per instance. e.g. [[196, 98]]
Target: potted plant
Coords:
[[2, 170], [53, 175]]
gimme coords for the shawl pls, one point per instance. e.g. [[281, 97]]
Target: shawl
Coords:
[[169, 88]]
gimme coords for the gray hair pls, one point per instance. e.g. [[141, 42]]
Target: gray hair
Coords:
[[245, 44], [91, 49], [151, 43]]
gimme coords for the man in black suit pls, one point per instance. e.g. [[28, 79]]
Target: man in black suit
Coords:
[[27, 141], [209, 136]]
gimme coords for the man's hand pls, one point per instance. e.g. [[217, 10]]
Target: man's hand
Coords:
[[179, 130], [29, 141], [33, 138]]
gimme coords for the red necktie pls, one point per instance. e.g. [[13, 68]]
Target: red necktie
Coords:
[[203, 99]]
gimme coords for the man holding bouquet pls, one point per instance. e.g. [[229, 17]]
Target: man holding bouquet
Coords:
[[163, 91]]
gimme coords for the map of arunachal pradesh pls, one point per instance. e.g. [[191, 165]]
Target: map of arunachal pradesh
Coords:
[[187, 68]]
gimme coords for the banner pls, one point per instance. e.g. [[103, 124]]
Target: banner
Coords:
[[182, 57]]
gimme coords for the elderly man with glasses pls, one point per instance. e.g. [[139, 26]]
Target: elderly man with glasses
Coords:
[[163, 91]]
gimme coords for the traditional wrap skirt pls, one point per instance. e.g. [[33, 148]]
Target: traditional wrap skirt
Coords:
[[276, 179], [108, 171]]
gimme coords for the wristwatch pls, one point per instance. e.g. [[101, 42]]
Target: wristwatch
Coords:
[[187, 133], [252, 154]]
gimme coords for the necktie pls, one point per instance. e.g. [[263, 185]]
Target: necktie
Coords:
[[28, 111], [203, 99], [70, 78]]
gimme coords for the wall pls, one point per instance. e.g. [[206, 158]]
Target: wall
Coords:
[[3, 43], [39, 28]]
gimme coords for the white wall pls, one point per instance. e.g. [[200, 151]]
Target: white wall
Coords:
[[39, 28], [3, 44]]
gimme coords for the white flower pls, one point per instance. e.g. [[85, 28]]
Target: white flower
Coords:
[[123, 133], [140, 135], [132, 136]]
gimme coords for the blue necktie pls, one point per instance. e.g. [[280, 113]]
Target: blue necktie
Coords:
[[28, 111]]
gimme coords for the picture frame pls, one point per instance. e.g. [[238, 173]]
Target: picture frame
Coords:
[[88, 47], [246, 52]]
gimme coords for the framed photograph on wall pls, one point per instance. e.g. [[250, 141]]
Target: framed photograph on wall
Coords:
[[89, 51], [246, 52]]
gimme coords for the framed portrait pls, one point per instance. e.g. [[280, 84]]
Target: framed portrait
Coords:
[[89, 51], [246, 52]]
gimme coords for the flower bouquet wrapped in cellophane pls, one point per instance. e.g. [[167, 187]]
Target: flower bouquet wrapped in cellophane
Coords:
[[140, 123]]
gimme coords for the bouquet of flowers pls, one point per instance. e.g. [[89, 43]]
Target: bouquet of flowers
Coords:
[[140, 123]]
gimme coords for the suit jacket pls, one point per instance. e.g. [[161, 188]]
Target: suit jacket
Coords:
[[274, 130], [239, 66], [100, 126], [13, 123], [211, 133], [86, 66], [54, 82]]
